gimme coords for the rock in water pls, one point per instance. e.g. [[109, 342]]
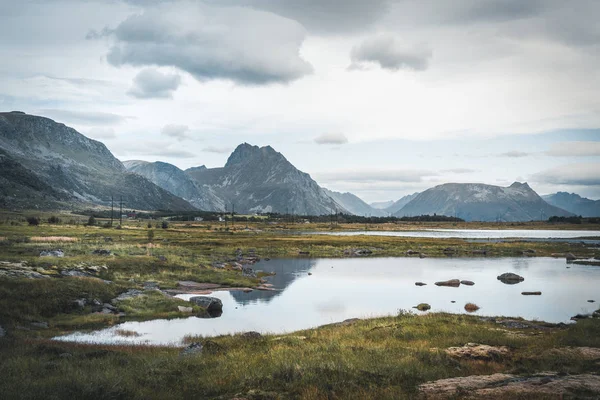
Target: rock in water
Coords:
[[420, 283], [211, 304], [510, 278], [450, 283], [423, 307], [468, 283], [531, 293]]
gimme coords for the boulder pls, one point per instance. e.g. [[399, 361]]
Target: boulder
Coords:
[[412, 252], [510, 278], [423, 307], [71, 272], [80, 303], [420, 283], [52, 253], [248, 272], [468, 283], [102, 252], [531, 293], [570, 257], [251, 335], [475, 351], [211, 304], [449, 283], [131, 293]]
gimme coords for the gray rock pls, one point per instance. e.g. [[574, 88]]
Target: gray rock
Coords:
[[423, 307], [420, 284], [71, 272], [251, 335], [248, 272], [468, 283], [183, 309], [570, 257], [96, 302], [102, 252], [131, 293], [192, 350], [151, 286], [110, 307], [510, 278], [211, 304], [52, 253], [80, 303], [362, 252], [40, 325]]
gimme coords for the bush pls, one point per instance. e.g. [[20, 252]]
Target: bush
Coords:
[[150, 235], [149, 225], [33, 221], [165, 225], [91, 221], [54, 220]]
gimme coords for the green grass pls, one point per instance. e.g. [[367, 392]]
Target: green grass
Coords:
[[382, 358]]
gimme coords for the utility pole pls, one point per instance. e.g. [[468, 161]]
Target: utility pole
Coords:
[[121, 212], [112, 209]]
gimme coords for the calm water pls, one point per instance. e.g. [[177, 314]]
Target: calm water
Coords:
[[365, 287], [475, 233]]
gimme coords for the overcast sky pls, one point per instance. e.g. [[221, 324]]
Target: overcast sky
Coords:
[[380, 97]]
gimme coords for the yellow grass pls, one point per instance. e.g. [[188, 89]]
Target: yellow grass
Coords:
[[53, 239]]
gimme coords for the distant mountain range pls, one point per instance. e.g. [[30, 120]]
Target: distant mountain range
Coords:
[[49, 165], [574, 203], [480, 202]]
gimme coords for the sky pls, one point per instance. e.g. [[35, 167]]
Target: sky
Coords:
[[381, 98]]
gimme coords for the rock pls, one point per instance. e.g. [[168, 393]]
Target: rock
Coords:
[[101, 252], [480, 252], [192, 350], [131, 293], [251, 335], [471, 307], [71, 272], [450, 283], [422, 255], [420, 284], [475, 351], [80, 303], [531, 293], [96, 302], [412, 252], [108, 239], [452, 301], [570, 257], [151, 286], [183, 309], [2, 332], [468, 283], [591, 301], [529, 251], [583, 353], [310, 273], [248, 272], [510, 278], [39, 325], [423, 307], [211, 304], [581, 316], [362, 252], [109, 307], [504, 386], [304, 253], [52, 253]]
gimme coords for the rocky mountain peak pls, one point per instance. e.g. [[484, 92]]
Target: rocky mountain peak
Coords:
[[246, 152], [519, 185]]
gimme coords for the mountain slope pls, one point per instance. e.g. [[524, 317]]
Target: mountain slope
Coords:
[[176, 181], [354, 204], [574, 203], [480, 202], [381, 205], [75, 167], [398, 204], [262, 180]]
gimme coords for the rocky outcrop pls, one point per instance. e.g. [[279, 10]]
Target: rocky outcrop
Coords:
[[510, 278], [449, 283], [211, 304], [474, 351]]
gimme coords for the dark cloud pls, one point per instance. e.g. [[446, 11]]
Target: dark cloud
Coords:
[[575, 149], [331, 138], [390, 53], [83, 117], [239, 44], [514, 154], [584, 174], [178, 132], [153, 84]]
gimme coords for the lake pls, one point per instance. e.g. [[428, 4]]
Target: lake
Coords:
[[494, 234], [345, 288]]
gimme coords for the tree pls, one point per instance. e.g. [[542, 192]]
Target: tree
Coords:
[[33, 221], [165, 225], [91, 221]]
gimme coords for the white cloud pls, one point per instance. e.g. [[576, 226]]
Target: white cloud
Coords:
[[574, 149], [390, 53], [151, 83], [178, 132], [584, 174], [514, 154], [218, 150]]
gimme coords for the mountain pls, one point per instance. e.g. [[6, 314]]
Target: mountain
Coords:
[[354, 204], [52, 165], [574, 203], [177, 182], [397, 205], [480, 202], [259, 179], [381, 205]]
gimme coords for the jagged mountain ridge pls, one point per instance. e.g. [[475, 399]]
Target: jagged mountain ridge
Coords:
[[398, 204], [260, 179], [481, 202], [176, 181], [574, 203], [76, 168]]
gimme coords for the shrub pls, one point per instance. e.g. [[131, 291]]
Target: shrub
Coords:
[[54, 220], [91, 221], [150, 235], [149, 225], [33, 221], [165, 225]]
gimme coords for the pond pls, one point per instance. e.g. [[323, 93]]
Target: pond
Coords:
[[339, 289], [489, 234]]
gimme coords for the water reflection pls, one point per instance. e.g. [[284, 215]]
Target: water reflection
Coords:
[[340, 289]]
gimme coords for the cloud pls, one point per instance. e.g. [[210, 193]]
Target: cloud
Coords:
[[322, 16], [585, 174], [390, 53], [374, 175], [513, 154], [240, 44], [574, 149], [178, 132], [102, 133], [218, 150], [460, 170], [331, 138], [152, 84], [83, 117]]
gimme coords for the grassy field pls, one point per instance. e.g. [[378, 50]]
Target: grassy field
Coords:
[[369, 359]]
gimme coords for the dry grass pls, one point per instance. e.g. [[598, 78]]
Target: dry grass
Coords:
[[46, 239]]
